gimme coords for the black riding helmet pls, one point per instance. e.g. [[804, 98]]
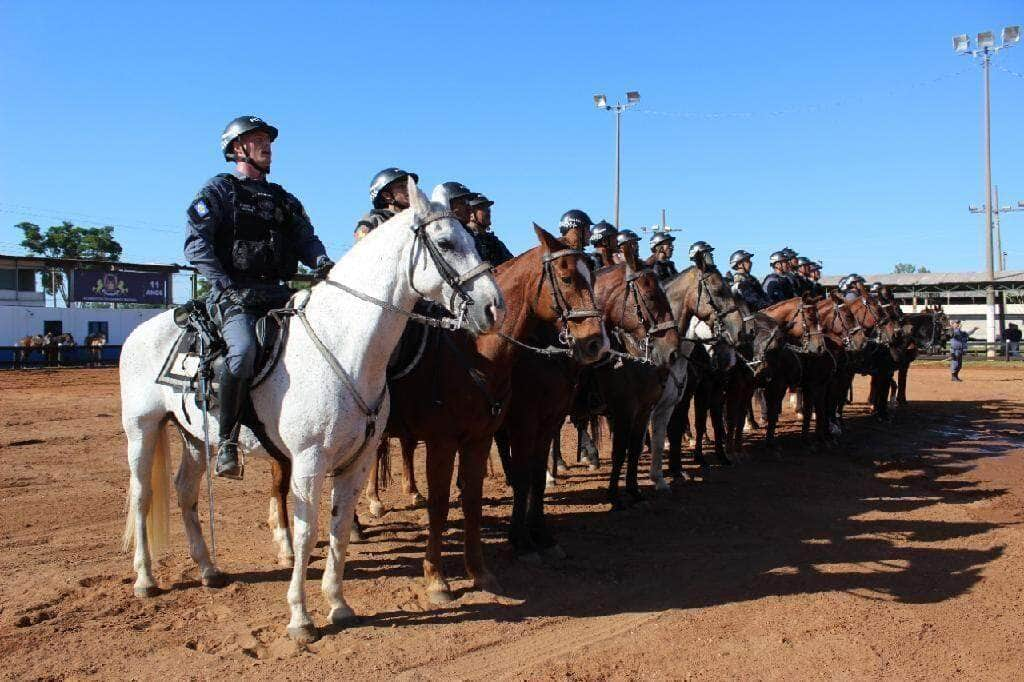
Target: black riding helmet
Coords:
[[238, 127], [602, 231], [572, 219], [385, 178]]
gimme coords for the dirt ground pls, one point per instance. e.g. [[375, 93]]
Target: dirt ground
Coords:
[[900, 556]]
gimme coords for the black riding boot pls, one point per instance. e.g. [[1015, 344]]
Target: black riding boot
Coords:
[[232, 395]]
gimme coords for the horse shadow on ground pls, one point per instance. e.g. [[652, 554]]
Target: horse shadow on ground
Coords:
[[804, 524]]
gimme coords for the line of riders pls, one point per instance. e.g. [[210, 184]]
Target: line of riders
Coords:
[[246, 236], [533, 339]]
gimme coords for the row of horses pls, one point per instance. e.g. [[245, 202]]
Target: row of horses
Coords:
[[541, 338], [53, 348]]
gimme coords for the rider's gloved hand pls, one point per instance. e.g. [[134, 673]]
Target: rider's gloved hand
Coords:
[[235, 296], [323, 266]]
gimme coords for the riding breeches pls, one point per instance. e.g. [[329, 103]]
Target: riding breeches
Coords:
[[239, 332]]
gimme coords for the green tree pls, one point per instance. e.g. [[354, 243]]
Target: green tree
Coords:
[[908, 268], [68, 240]]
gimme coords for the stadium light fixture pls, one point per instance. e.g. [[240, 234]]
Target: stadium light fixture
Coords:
[[986, 39], [633, 96], [961, 43], [1011, 34], [600, 102]]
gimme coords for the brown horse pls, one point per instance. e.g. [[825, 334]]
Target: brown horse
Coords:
[[638, 317], [26, 345], [928, 331], [94, 344]]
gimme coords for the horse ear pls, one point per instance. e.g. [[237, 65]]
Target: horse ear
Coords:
[[417, 199], [547, 240]]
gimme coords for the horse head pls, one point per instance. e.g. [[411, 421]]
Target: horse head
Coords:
[[444, 265], [702, 292], [634, 302], [843, 322], [767, 340], [566, 298]]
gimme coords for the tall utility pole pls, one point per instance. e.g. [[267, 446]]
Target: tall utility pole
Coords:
[[986, 47], [601, 102], [997, 211]]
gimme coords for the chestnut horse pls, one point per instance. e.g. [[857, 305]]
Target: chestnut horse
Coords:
[[645, 343]]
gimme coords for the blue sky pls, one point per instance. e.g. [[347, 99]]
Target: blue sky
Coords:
[[112, 112]]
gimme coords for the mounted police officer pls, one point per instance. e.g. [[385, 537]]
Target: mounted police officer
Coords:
[[457, 196], [602, 237], [628, 242], [744, 284], [817, 288], [792, 271], [702, 254], [661, 256], [246, 236], [389, 194], [803, 276], [575, 228], [490, 248], [778, 287], [848, 286]]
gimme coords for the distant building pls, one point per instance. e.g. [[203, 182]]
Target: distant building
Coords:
[[99, 296], [961, 294]]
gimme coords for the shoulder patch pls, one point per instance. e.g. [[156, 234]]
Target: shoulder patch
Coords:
[[201, 209]]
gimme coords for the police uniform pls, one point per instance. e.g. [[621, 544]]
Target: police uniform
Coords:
[[777, 287], [664, 269], [490, 247], [750, 290], [374, 219], [957, 348]]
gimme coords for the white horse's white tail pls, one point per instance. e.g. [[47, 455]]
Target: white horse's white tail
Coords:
[[158, 525]]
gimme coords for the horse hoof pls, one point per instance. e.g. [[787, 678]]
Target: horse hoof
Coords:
[[304, 634], [214, 579], [561, 467], [146, 592], [344, 617], [440, 596], [553, 553], [356, 534], [418, 501], [549, 481], [376, 508], [487, 583]]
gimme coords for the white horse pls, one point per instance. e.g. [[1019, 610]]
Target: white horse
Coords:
[[324, 405]]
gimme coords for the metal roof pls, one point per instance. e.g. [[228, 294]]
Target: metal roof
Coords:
[[42, 263], [1004, 279]]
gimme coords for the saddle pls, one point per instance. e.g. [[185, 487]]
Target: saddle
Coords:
[[199, 350]]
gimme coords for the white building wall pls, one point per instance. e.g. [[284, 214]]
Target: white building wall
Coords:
[[20, 321]]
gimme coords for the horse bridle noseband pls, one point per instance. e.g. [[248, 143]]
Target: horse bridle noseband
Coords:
[[719, 325], [646, 316], [451, 277], [848, 331], [559, 303]]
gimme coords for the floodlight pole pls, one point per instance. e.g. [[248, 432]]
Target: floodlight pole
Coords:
[[990, 291], [632, 98]]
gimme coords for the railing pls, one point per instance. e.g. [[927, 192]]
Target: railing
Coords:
[[978, 349], [13, 357]]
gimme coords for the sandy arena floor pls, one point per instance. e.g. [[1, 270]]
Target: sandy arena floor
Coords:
[[901, 556]]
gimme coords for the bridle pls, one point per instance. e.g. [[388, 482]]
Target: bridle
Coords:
[[876, 321], [559, 303], [452, 278], [648, 318], [718, 327], [848, 331]]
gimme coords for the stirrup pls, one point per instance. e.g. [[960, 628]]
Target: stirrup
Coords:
[[234, 471]]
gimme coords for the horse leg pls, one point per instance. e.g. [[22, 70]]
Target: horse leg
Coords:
[[440, 464], [409, 473], [345, 490], [504, 447], [190, 473], [716, 407], [585, 443], [558, 465], [620, 439], [773, 397], [522, 440], [674, 430], [635, 444], [473, 466], [700, 427], [901, 384], [277, 517], [376, 507], [306, 485], [539, 535], [146, 524]]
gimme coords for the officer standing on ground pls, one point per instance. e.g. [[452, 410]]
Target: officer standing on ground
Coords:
[[744, 284], [778, 287], [957, 348], [661, 256], [246, 236], [389, 194]]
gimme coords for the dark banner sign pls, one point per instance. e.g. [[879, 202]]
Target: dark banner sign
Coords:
[[98, 286]]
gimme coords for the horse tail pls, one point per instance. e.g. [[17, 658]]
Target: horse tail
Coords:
[[384, 464], [158, 517]]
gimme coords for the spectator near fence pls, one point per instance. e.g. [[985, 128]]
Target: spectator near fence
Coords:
[[1012, 337]]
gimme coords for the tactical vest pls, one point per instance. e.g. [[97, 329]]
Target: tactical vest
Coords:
[[259, 244], [665, 269]]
